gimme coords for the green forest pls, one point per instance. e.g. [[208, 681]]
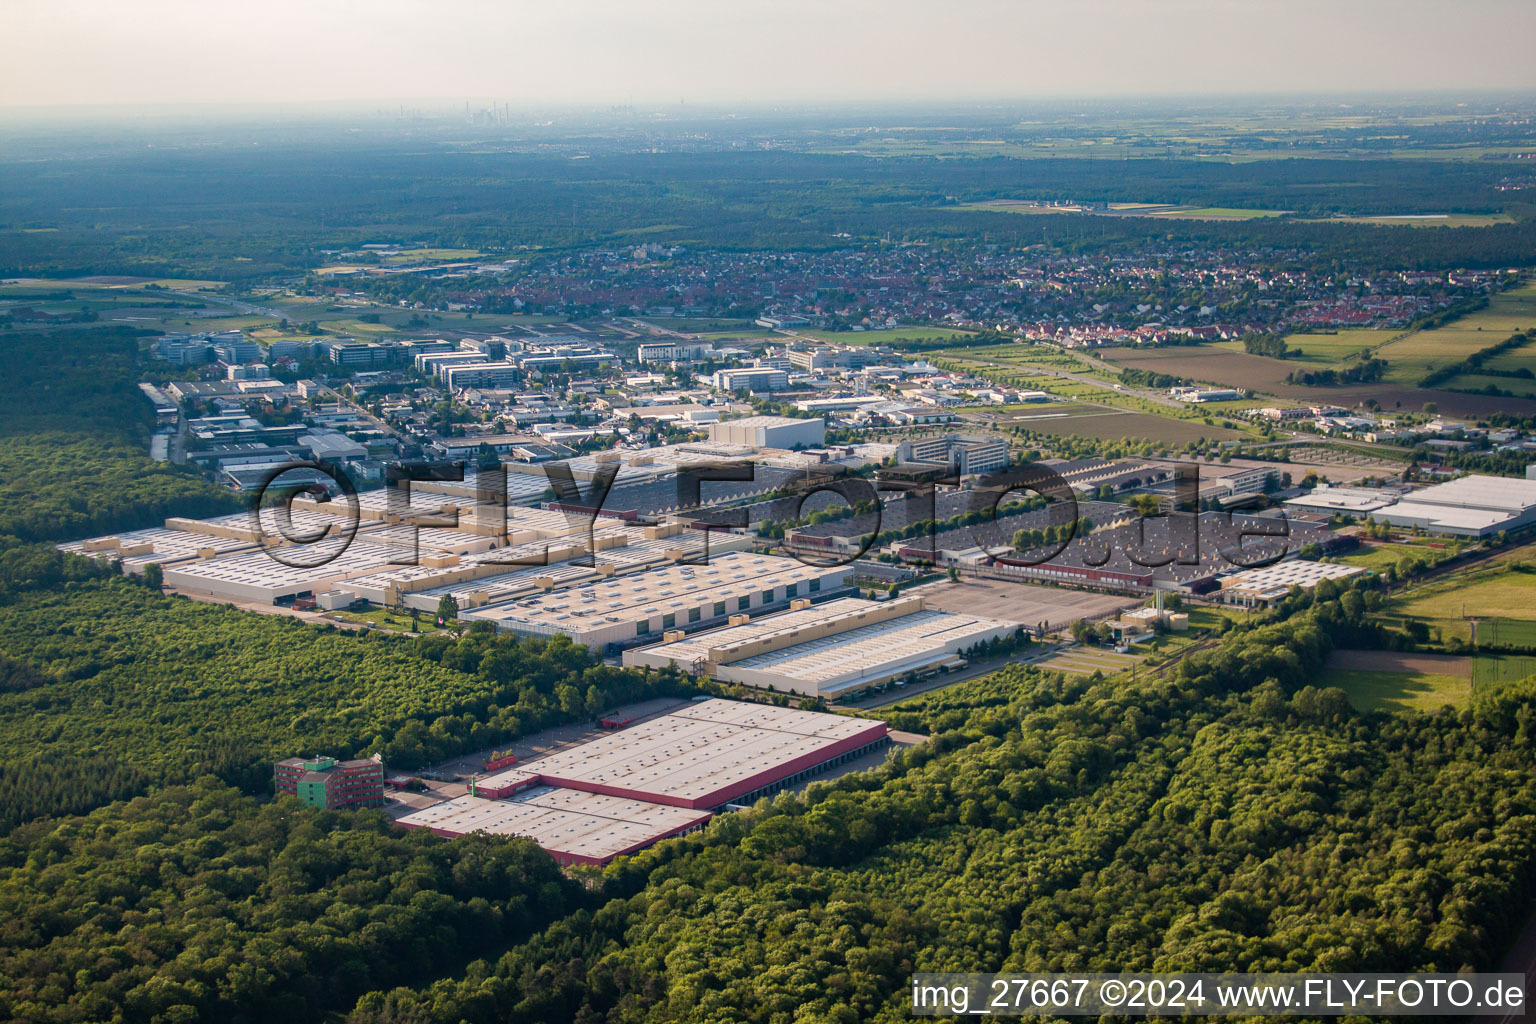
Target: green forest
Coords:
[[263, 211], [74, 441], [199, 903], [1227, 817]]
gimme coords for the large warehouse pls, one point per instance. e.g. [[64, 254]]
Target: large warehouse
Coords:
[[620, 609], [662, 777], [711, 753], [828, 650], [575, 826], [1472, 506]]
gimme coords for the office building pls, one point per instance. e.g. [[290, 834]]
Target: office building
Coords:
[[750, 378], [965, 454], [670, 352], [233, 347], [481, 375], [333, 785], [363, 355]]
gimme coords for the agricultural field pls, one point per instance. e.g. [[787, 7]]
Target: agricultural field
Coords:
[[1523, 387], [1427, 220], [1503, 597], [1162, 211], [413, 256], [1326, 349], [1019, 354], [1400, 691], [893, 336], [705, 325], [1493, 670], [1231, 368], [1414, 355], [1111, 424], [1209, 363], [1211, 213], [1375, 557], [1086, 660], [1522, 358]]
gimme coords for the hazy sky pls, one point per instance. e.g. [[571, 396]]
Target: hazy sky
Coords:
[[659, 51]]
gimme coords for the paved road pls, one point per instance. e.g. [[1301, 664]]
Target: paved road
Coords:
[[244, 307]]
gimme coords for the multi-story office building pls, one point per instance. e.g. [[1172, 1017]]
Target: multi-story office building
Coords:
[[332, 784], [965, 454], [751, 378]]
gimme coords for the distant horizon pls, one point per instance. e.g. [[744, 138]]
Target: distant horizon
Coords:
[[71, 54], [443, 106]]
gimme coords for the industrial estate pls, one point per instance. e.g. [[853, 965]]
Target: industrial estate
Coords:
[[480, 560]]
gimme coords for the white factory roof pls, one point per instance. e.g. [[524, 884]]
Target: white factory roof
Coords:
[[851, 658], [521, 486], [562, 821], [260, 570], [1509, 495], [506, 777], [657, 592], [1293, 573], [1353, 500], [1445, 516], [701, 750], [696, 648], [169, 545], [766, 421], [850, 652]]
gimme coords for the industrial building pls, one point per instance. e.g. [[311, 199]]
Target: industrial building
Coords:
[[332, 784], [829, 650], [660, 778], [622, 609], [770, 432], [1349, 501], [965, 454], [1471, 506], [1266, 587], [711, 753], [574, 826]]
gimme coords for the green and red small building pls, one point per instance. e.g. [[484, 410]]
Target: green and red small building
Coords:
[[332, 784]]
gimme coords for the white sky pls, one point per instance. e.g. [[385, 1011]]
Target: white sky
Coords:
[[810, 51]]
